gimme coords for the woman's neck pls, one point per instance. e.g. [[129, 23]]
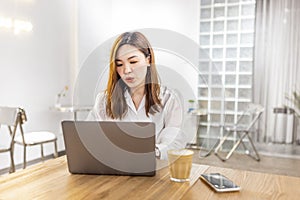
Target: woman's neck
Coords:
[[137, 95]]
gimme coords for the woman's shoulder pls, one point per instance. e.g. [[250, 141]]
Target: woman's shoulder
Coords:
[[101, 97], [167, 94], [101, 94], [164, 90]]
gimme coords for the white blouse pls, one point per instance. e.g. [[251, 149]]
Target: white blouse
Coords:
[[168, 121]]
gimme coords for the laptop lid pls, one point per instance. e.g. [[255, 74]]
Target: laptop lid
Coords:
[[110, 148]]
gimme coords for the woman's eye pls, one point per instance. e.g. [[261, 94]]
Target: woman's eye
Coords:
[[133, 62], [118, 64]]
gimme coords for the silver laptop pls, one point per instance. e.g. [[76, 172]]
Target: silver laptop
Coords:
[[110, 148]]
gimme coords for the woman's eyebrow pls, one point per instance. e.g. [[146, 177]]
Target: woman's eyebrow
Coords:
[[131, 57], [134, 56]]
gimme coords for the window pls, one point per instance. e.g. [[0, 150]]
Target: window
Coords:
[[226, 38]]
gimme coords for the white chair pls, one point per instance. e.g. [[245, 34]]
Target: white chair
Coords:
[[9, 118], [34, 138], [242, 130]]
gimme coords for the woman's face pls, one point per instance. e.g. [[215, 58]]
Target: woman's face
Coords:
[[131, 65]]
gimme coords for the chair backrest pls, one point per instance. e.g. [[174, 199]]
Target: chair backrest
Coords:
[[23, 116], [253, 111], [8, 116]]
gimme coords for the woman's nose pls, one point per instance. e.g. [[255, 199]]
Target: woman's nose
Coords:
[[127, 69]]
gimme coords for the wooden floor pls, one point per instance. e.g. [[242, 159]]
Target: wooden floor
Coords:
[[268, 164]]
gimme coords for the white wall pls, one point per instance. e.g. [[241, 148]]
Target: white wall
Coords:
[[100, 21], [35, 66], [66, 35]]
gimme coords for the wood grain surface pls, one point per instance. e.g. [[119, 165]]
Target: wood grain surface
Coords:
[[254, 185], [51, 180]]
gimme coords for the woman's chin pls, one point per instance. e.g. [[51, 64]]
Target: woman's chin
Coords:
[[130, 84], [134, 85]]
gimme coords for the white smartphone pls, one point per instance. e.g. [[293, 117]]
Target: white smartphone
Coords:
[[219, 182]]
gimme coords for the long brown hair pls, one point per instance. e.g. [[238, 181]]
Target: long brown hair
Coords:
[[116, 106]]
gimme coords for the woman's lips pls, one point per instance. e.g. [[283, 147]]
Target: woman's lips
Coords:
[[129, 79]]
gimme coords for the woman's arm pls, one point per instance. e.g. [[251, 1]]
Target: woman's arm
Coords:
[[98, 113], [171, 136]]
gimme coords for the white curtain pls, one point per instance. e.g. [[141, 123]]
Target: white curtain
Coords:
[[276, 64]]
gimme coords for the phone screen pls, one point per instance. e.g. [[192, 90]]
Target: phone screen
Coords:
[[219, 182]]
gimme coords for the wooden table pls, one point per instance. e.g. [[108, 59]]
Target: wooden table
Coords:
[[51, 180]]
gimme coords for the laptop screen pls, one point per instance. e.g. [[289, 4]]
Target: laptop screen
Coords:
[[117, 148]]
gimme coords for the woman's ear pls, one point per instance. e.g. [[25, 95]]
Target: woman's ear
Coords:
[[148, 59]]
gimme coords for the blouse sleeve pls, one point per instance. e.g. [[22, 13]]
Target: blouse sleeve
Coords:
[[171, 136], [98, 112]]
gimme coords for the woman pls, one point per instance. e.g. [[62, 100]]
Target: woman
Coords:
[[133, 93]]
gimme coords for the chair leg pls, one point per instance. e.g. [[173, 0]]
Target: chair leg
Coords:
[[42, 152], [247, 150], [235, 146], [256, 157], [12, 163], [24, 157], [210, 151], [55, 149], [245, 147], [220, 145]]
